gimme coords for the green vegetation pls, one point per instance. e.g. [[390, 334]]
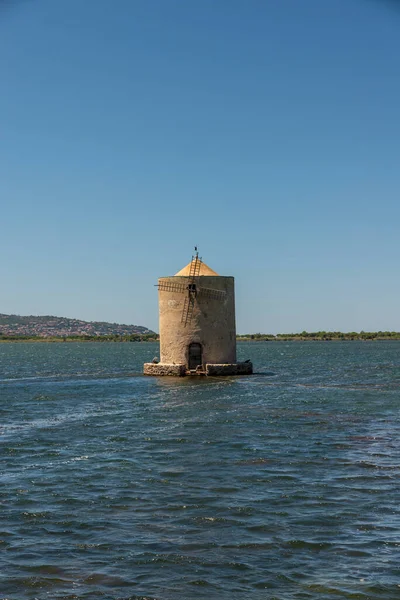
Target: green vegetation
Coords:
[[322, 336], [319, 336], [134, 337]]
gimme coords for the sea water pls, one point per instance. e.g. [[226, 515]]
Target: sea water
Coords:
[[282, 485]]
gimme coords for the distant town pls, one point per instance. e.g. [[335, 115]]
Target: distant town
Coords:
[[50, 328], [59, 327]]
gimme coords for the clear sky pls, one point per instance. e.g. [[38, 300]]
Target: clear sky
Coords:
[[265, 131]]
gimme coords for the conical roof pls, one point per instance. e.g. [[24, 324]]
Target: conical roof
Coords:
[[204, 270]]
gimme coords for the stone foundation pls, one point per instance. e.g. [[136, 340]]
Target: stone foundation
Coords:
[[161, 370], [245, 368]]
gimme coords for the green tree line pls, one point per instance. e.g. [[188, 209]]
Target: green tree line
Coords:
[[323, 336], [134, 337], [153, 337]]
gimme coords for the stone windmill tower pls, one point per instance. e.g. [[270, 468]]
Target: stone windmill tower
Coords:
[[197, 324]]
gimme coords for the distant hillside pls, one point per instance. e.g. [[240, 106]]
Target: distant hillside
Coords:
[[48, 326]]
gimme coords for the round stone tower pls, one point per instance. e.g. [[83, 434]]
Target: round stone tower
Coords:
[[197, 324]]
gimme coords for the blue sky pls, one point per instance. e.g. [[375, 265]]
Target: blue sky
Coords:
[[265, 131]]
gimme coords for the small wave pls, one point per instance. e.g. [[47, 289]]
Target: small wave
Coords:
[[106, 580], [315, 546], [72, 377]]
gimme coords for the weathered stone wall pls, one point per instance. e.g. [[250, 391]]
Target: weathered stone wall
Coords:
[[229, 369], [216, 370], [160, 370], [212, 324]]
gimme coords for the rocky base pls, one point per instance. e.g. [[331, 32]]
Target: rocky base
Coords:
[[161, 370], [244, 368]]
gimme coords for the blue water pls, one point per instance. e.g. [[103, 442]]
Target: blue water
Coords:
[[284, 485]]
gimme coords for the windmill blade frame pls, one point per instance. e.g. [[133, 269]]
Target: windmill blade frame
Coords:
[[211, 293], [172, 287], [191, 287]]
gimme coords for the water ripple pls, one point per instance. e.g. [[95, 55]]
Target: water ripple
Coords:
[[283, 485]]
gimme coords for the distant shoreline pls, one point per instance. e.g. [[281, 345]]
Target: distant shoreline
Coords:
[[320, 336], [77, 338]]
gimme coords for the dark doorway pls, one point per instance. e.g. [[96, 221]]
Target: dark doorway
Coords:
[[195, 355]]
